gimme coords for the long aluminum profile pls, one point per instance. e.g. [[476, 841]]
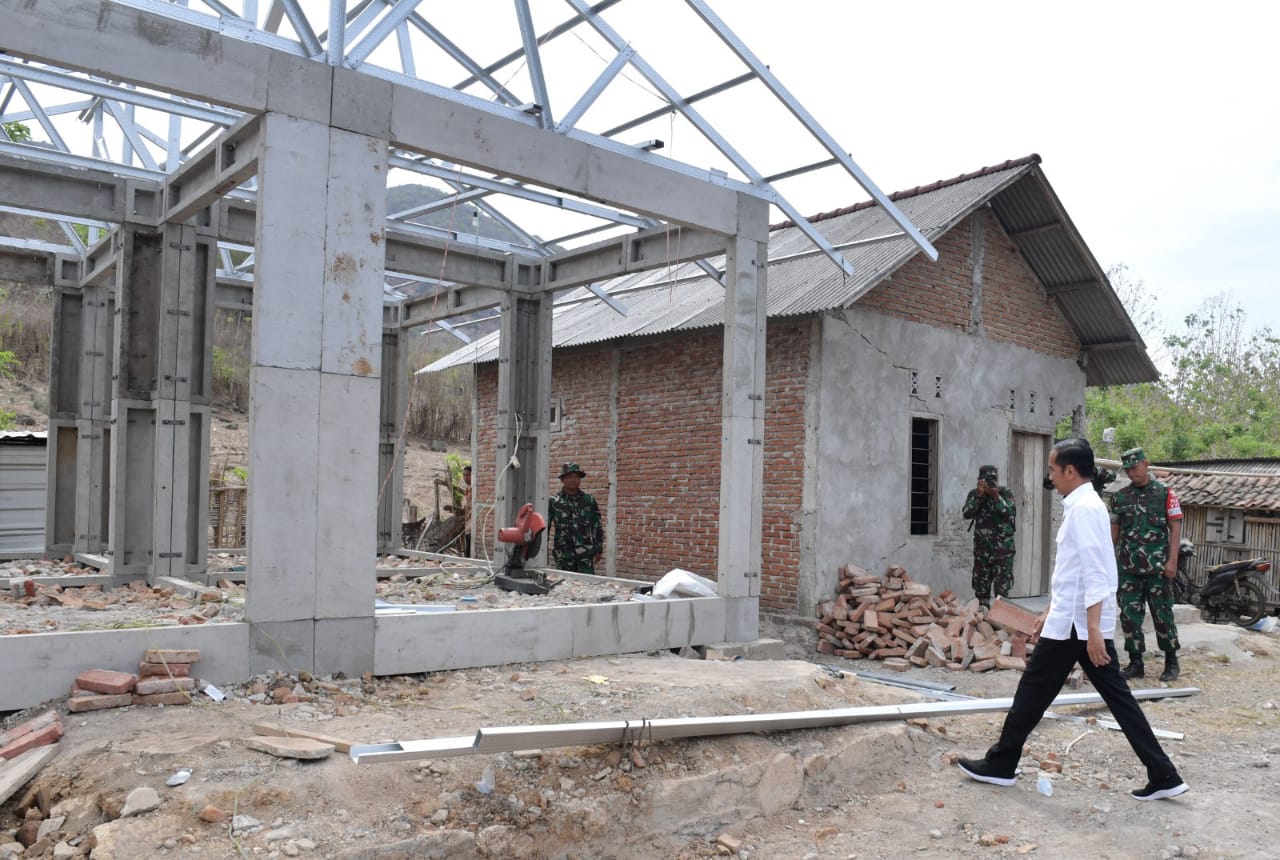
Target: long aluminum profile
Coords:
[[515, 189], [798, 111], [463, 59], [616, 65], [69, 159], [514, 738], [718, 140], [533, 62], [393, 18]]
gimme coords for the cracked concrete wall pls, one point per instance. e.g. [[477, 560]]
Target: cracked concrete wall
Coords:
[[863, 430]]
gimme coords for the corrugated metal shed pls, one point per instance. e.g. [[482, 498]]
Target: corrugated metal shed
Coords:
[[22, 493], [801, 280]]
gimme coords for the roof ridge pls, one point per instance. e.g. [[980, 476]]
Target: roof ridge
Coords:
[[1033, 158]]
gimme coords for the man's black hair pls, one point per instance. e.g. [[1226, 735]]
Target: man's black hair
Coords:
[[1075, 452]]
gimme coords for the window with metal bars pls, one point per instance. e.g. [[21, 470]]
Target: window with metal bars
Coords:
[[924, 476]]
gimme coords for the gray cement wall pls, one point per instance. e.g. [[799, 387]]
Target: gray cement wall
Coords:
[[862, 422]]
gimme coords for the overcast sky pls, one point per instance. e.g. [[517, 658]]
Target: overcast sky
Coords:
[[1158, 123]]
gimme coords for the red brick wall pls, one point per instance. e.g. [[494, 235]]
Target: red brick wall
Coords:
[[668, 449], [1015, 308]]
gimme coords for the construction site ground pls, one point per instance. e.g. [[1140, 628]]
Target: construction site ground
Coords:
[[871, 790]]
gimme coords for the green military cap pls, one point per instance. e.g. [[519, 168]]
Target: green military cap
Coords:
[[991, 472], [570, 468], [1132, 457]]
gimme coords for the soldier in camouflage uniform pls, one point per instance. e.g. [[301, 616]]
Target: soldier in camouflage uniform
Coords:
[[577, 533], [993, 518], [1146, 520]]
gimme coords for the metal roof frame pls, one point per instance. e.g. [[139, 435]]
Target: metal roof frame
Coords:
[[158, 130]]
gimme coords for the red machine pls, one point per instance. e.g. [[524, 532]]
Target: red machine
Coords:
[[523, 539]]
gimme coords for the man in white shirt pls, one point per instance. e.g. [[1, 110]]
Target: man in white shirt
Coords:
[[1082, 598]]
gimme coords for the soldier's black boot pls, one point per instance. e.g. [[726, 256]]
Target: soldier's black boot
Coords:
[[1171, 668], [1133, 670]]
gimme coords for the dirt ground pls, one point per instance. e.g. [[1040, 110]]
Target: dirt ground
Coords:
[[868, 791], [872, 790]]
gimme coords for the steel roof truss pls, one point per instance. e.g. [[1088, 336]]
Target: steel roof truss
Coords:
[[799, 112], [616, 65], [391, 21], [533, 62]]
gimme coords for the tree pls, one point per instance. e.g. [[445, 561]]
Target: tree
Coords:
[[1220, 398], [16, 131]]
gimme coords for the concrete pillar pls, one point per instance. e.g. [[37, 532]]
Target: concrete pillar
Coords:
[[394, 400], [314, 397], [79, 421], [742, 422], [160, 405], [524, 399]]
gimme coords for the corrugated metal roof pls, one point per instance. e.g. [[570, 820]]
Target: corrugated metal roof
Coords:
[[801, 280], [23, 437]]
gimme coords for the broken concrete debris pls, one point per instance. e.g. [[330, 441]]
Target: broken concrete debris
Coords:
[[902, 623]]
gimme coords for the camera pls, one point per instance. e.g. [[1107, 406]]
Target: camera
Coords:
[[1048, 483], [992, 483]]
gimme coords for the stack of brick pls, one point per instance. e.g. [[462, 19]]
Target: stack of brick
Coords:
[[902, 623], [37, 732], [163, 679]]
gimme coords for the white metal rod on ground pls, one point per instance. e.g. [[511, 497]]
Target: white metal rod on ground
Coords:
[[513, 738]]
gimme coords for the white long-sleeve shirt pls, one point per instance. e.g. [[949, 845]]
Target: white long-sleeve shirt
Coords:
[[1084, 572]]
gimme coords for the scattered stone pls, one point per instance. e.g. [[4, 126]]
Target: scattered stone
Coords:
[[64, 851], [141, 799], [935, 834], [180, 776], [245, 824], [306, 845], [278, 835], [213, 815], [50, 826], [732, 843]]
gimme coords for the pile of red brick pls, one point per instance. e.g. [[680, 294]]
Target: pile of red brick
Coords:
[[164, 678], [902, 623], [40, 731]]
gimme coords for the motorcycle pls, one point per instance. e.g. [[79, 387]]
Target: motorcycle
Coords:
[[1230, 592]]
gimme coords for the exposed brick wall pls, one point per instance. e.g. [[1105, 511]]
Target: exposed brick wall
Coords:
[[1015, 308], [668, 449]]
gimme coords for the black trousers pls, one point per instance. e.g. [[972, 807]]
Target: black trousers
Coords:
[[1051, 662]]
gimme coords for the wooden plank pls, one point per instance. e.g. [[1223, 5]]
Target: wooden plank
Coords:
[[278, 730], [16, 773]]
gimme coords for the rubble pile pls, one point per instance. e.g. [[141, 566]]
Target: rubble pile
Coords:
[[904, 624]]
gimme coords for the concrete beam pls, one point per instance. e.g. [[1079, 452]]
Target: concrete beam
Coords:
[[40, 667], [493, 637], [647, 249], [75, 192], [26, 267], [227, 161]]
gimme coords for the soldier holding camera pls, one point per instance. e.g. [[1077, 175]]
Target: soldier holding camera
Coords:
[[992, 514]]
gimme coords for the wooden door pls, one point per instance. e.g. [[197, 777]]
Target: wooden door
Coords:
[[1028, 464]]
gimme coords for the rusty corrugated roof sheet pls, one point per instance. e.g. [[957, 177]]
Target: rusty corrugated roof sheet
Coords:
[[801, 280]]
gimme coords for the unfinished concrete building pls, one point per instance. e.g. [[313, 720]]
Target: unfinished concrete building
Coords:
[[251, 171]]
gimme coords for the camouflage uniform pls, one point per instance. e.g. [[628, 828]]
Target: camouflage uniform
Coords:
[[994, 523], [1143, 515], [578, 532]]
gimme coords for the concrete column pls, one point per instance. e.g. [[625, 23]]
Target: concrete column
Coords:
[[64, 411], [160, 404], [394, 398], [524, 399], [314, 397], [742, 422], [80, 425]]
